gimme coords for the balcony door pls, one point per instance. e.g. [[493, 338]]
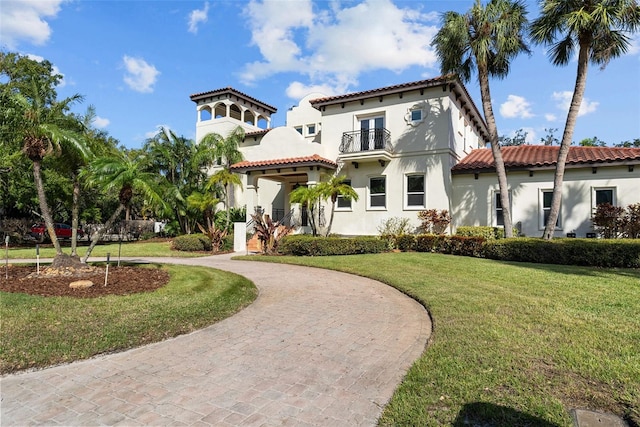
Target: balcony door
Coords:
[[371, 133]]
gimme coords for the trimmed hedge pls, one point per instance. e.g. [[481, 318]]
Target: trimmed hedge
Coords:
[[488, 233], [456, 245], [589, 252], [305, 245], [192, 243]]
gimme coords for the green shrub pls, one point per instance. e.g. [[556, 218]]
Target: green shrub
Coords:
[[456, 245], [392, 228], [305, 245], [589, 252], [405, 242], [488, 233], [192, 243]]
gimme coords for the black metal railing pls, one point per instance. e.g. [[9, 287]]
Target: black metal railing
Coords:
[[366, 140]]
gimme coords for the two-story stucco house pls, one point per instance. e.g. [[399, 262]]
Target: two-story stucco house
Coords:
[[407, 148]]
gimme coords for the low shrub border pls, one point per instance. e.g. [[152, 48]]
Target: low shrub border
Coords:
[[305, 245], [616, 253]]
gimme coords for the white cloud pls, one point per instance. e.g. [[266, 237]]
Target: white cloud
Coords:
[[550, 117], [338, 44], [516, 106], [140, 76], [297, 90], [100, 122], [197, 17], [531, 135], [564, 102], [25, 20], [54, 69]]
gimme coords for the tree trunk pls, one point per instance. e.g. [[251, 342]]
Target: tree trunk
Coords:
[[75, 208], [485, 94], [44, 208], [226, 198], [95, 238], [333, 208], [567, 136]]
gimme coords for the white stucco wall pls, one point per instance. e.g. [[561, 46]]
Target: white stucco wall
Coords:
[[473, 200]]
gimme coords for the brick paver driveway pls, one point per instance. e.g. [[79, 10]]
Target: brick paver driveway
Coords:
[[316, 348]]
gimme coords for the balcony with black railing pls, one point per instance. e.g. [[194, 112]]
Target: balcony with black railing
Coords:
[[366, 144]]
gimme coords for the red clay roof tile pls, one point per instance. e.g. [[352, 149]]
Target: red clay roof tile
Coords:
[[531, 156], [286, 162]]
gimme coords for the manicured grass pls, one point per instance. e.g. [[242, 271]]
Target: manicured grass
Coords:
[[38, 331], [514, 343], [141, 248]]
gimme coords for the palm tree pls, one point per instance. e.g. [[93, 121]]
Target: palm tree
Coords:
[[227, 152], [227, 180], [123, 174], [599, 30], [46, 128], [332, 189], [309, 197], [485, 38]]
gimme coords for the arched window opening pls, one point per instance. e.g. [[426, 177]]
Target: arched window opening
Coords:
[[205, 114], [220, 111], [234, 112], [263, 123], [249, 118]]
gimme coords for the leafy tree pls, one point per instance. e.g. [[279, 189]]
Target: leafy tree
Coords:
[[629, 144], [227, 153], [184, 165], [226, 179], [126, 175], [592, 142], [332, 189], [598, 30], [520, 138], [550, 138], [485, 38]]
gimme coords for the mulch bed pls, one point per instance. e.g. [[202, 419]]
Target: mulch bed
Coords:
[[123, 280]]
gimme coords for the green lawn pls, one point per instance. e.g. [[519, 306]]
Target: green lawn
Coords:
[[513, 344], [143, 248], [41, 331]]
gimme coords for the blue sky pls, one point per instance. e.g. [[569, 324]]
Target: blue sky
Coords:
[[137, 62]]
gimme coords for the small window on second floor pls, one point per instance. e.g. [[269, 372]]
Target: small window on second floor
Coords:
[[299, 129], [416, 115], [311, 129]]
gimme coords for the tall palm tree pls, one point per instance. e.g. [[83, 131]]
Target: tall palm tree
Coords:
[[46, 128], [486, 38], [227, 152], [125, 175], [599, 29], [332, 189]]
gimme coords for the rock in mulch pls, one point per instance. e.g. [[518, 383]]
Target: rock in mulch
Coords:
[[81, 284]]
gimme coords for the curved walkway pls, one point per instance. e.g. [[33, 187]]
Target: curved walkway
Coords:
[[317, 347]]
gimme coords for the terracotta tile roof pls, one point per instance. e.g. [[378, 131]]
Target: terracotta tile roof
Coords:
[[542, 156], [282, 163], [448, 78], [257, 132], [231, 91]]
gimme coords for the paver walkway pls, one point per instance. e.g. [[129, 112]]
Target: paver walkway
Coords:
[[316, 348]]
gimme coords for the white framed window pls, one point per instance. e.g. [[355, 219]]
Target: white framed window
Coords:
[[415, 115], [415, 191], [343, 203], [371, 133], [600, 195], [544, 203], [298, 129], [378, 192], [311, 129], [498, 213]]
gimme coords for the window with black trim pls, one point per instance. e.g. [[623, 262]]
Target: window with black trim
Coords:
[[545, 205], [377, 192]]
